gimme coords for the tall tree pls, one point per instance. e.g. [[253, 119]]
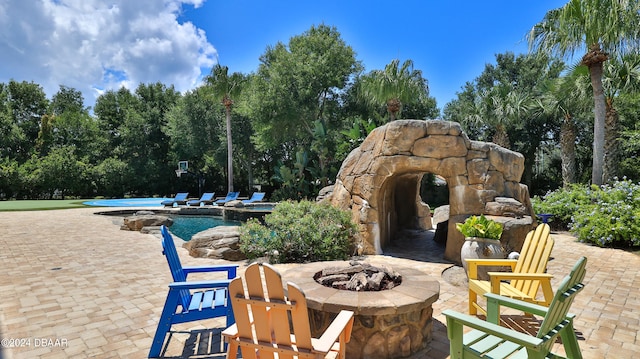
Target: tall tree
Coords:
[[22, 104], [111, 110], [196, 126], [67, 99], [146, 143], [69, 123], [621, 75], [564, 98], [601, 27], [296, 95], [226, 87], [393, 86], [507, 105], [496, 106]]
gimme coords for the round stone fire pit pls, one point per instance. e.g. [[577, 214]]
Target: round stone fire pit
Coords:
[[390, 323]]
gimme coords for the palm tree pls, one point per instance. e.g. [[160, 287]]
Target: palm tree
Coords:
[[225, 88], [562, 98], [498, 109], [508, 105], [600, 27], [620, 75], [394, 86]]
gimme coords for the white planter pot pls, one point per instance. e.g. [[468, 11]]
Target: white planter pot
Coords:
[[482, 248]]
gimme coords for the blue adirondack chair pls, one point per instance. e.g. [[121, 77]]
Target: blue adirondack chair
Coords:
[[231, 196], [490, 340], [207, 198], [180, 198], [255, 197], [191, 301]]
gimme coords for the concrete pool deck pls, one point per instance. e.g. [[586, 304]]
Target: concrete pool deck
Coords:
[[74, 285]]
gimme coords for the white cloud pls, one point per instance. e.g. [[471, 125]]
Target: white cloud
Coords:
[[95, 45]]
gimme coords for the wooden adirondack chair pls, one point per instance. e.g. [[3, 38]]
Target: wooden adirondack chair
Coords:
[[272, 325], [527, 272], [191, 301], [490, 340]]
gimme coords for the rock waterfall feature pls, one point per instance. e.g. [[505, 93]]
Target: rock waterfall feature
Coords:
[[379, 182]]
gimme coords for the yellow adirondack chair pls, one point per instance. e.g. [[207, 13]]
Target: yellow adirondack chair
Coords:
[[270, 324], [489, 340], [527, 272]]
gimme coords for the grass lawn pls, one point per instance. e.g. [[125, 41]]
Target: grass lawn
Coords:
[[39, 205]]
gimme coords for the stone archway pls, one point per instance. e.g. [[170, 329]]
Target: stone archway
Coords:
[[379, 182]]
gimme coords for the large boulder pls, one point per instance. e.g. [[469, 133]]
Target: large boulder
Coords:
[[145, 219], [505, 206], [221, 242]]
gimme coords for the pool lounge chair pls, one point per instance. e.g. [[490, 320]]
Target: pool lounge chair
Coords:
[[207, 198], [179, 199], [255, 197], [231, 196]]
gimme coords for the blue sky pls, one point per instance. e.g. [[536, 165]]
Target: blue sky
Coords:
[[95, 46], [449, 41]]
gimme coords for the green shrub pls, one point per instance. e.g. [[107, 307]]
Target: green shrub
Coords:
[[563, 203], [612, 219], [299, 232], [607, 216]]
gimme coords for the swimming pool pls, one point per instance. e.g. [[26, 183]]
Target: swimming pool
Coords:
[[188, 220], [128, 202], [186, 226]]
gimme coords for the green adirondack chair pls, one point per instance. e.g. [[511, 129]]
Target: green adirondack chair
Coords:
[[490, 340]]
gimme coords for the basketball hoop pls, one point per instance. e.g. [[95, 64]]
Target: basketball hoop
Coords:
[[183, 167]]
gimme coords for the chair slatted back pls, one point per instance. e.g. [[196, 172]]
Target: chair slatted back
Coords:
[[182, 196], [169, 251], [208, 196], [262, 313], [534, 257], [570, 286]]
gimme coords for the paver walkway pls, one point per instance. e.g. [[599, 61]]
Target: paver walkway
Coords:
[[74, 285]]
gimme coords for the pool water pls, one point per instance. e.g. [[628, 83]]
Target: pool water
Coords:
[[185, 227], [128, 202], [261, 207]]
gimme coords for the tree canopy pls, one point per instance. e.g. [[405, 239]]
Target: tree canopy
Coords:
[[288, 126]]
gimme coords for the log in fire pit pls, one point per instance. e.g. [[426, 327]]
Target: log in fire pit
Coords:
[[359, 276], [394, 321]]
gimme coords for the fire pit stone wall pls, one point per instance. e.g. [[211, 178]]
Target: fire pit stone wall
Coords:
[[393, 323]]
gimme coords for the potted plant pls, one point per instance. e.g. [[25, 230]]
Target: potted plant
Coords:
[[482, 241]]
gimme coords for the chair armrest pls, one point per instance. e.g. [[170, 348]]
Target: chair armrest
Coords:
[[544, 278], [199, 284], [491, 262], [495, 300], [473, 264], [230, 269], [496, 277], [455, 322], [342, 322], [231, 332]]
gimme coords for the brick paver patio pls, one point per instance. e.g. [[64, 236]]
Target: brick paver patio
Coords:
[[74, 285]]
